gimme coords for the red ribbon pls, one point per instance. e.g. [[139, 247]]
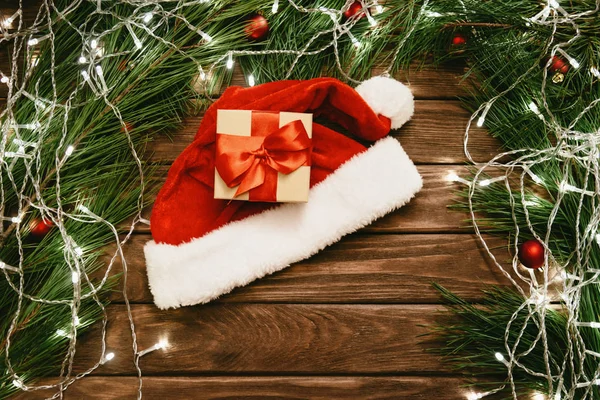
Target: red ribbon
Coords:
[[254, 161]]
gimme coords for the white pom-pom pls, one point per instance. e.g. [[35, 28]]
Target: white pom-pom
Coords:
[[388, 97]]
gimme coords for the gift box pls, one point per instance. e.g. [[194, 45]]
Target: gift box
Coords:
[[263, 156]]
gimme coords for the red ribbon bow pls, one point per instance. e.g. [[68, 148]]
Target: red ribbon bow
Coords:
[[251, 161]]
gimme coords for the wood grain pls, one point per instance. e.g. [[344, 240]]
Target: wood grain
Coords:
[[426, 81], [271, 387], [360, 269], [436, 125], [285, 339]]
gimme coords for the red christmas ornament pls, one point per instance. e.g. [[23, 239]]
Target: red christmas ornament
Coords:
[[257, 27], [459, 40], [40, 227], [354, 9], [559, 65], [128, 126], [531, 254]]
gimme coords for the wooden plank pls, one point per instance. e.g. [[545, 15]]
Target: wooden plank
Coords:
[[428, 212], [359, 269], [425, 81], [285, 339], [436, 125], [271, 387]]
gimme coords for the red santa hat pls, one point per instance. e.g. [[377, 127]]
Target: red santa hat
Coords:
[[204, 247]]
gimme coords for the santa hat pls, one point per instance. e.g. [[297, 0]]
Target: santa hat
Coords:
[[204, 247]]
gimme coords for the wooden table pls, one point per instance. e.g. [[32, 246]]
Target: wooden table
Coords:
[[345, 323]]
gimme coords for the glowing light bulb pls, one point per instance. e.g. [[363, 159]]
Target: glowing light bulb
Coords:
[[109, 356], [4, 79], [354, 40], [70, 149], [75, 277], [207, 38], [485, 182], [533, 107], [251, 81], [93, 43], [499, 356], [553, 4], [372, 21], [538, 396], [162, 344], [78, 250], [452, 177], [85, 75], [18, 384], [61, 332], [275, 7], [480, 121], [474, 396], [148, 17], [595, 72], [82, 60], [574, 63], [229, 64], [32, 42]]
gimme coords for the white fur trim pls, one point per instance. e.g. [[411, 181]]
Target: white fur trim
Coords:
[[388, 97], [368, 186]]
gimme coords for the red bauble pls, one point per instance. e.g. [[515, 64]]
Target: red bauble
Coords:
[[459, 40], [40, 227], [257, 27], [559, 65], [531, 254], [128, 126], [354, 9]]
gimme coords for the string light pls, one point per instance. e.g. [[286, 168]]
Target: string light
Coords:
[[354, 40], [229, 61], [275, 7], [70, 149], [148, 17], [372, 21], [100, 74], [499, 356], [75, 277], [4, 78], [93, 43], [533, 107], [136, 40], [595, 72], [474, 396], [161, 345], [251, 80], [574, 63], [207, 38]]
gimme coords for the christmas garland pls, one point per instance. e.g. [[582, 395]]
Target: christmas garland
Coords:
[[92, 81]]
